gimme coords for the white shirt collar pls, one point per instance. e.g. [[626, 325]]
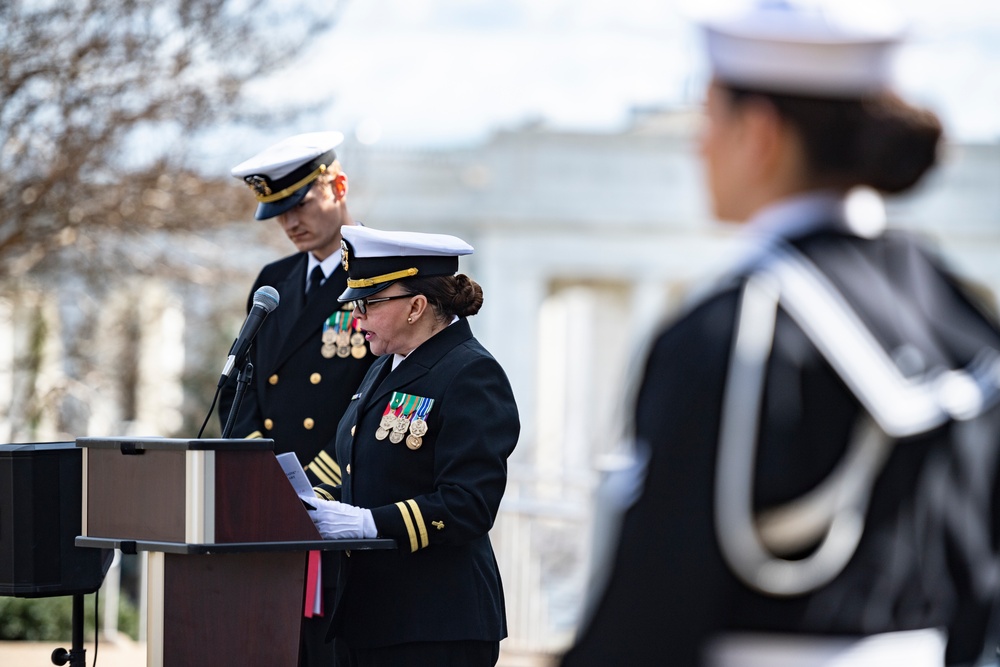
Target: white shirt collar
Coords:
[[859, 212], [397, 359], [798, 215]]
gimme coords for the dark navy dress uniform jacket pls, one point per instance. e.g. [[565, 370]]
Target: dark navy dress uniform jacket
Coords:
[[438, 501], [670, 589]]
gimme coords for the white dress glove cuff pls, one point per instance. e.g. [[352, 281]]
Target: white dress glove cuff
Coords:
[[368, 529]]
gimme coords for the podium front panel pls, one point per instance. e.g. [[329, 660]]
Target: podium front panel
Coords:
[[189, 491], [142, 497], [230, 609]]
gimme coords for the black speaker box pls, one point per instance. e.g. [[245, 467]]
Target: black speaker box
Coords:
[[41, 487]]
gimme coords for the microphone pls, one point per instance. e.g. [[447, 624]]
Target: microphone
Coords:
[[265, 300]]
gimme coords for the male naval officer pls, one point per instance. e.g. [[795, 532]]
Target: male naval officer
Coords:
[[308, 357]]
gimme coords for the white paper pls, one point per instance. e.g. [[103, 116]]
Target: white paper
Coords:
[[296, 475]]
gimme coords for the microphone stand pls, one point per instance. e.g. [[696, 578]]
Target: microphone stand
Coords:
[[242, 380]]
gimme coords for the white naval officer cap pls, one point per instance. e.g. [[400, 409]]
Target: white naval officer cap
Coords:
[[375, 259], [823, 48], [281, 175]]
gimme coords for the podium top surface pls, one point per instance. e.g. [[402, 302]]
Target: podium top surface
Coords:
[[26, 448], [135, 546], [178, 444]]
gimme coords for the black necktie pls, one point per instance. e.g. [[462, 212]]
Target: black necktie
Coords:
[[316, 278]]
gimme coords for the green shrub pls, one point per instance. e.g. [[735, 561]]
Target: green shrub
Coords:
[[51, 619]]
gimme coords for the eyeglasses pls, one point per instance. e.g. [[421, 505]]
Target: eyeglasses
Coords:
[[362, 304]]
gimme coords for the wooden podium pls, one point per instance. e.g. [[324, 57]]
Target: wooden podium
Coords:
[[226, 538]]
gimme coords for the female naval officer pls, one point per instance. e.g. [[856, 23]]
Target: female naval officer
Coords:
[[423, 446]]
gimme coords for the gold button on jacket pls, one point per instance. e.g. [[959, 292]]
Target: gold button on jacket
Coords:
[[315, 378], [308, 423], [268, 424], [273, 379]]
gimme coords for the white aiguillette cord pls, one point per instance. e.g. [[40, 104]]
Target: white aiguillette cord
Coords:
[[831, 515]]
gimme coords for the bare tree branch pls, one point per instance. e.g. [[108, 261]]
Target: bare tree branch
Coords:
[[79, 81]]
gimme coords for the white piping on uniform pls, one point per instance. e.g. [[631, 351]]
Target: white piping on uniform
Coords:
[[833, 513]]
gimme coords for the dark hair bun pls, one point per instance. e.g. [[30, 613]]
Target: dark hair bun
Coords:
[[468, 296], [880, 141], [897, 144], [449, 295]]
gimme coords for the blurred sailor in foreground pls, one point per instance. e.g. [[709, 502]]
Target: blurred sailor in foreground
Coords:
[[821, 430], [308, 357]]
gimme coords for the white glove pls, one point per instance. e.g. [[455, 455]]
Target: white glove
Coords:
[[336, 520]]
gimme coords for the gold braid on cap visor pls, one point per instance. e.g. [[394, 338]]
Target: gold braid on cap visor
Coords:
[[281, 194], [384, 278]]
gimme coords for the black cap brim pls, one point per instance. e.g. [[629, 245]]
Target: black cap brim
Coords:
[[354, 293], [275, 208]]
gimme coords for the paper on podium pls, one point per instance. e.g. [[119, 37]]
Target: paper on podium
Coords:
[[296, 475], [289, 462]]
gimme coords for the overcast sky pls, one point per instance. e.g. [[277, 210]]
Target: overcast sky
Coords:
[[446, 72]]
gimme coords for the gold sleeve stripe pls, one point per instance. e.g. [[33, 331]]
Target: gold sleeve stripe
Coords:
[[328, 460], [254, 435], [333, 472], [321, 473], [409, 526], [419, 517], [323, 493]]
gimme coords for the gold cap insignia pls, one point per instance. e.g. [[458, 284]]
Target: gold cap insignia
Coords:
[[344, 254], [259, 185]]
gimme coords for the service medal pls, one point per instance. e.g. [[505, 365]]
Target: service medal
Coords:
[[331, 326], [405, 415], [329, 351], [402, 424], [418, 424], [414, 442], [385, 425], [359, 351], [357, 338], [399, 429], [388, 422], [343, 339], [418, 427]]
